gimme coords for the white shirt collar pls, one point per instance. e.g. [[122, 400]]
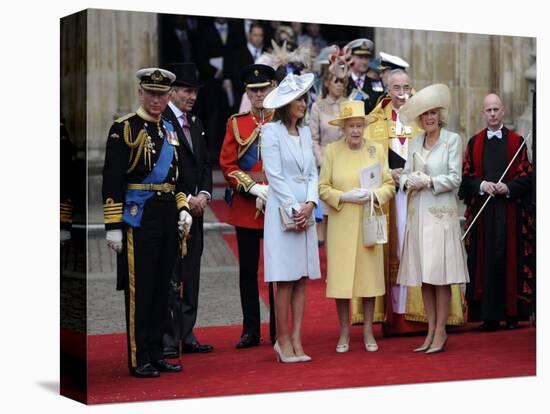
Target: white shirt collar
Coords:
[[355, 77], [178, 112], [253, 49]]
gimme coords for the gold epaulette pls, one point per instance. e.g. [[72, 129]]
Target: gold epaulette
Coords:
[[125, 117], [112, 212], [244, 182], [240, 114]]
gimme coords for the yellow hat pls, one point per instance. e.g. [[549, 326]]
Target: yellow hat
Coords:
[[349, 109]]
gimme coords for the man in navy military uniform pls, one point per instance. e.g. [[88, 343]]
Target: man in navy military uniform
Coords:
[[142, 200], [360, 86]]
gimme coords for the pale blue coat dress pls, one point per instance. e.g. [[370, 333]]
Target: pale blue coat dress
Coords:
[[291, 171]]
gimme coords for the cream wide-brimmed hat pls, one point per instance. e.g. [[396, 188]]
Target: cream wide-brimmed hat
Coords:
[[431, 97], [349, 109], [291, 87]]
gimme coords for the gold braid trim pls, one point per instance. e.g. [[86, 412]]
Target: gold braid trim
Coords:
[[244, 182], [132, 297], [181, 201], [244, 147], [139, 143]]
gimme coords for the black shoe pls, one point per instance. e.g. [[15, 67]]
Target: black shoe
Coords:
[[164, 366], [512, 325], [248, 341], [170, 352], [196, 348], [145, 371], [490, 326]]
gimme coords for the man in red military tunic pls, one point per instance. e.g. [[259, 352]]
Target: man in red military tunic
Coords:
[[500, 243], [241, 164]]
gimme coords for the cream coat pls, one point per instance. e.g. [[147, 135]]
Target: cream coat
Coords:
[[352, 269], [292, 176], [432, 251]]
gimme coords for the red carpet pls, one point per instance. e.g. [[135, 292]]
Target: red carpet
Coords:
[[470, 354]]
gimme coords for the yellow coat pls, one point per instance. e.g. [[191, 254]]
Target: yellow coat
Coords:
[[352, 269]]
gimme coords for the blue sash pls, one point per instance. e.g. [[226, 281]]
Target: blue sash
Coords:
[[249, 158], [135, 199]]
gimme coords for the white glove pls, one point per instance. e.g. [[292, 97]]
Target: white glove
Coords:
[[259, 190], [418, 180], [357, 196], [185, 221], [64, 235], [114, 240], [260, 204]]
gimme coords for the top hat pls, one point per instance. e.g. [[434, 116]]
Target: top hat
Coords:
[[257, 76], [186, 74], [291, 87], [431, 97], [155, 79]]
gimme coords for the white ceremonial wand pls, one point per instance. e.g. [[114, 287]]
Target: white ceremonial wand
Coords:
[[491, 196]]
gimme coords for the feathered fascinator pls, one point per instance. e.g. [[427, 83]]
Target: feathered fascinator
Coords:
[[281, 56], [339, 62]]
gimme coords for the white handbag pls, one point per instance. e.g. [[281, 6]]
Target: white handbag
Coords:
[[375, 227]]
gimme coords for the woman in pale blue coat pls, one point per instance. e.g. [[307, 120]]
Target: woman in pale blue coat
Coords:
[[291, 256]]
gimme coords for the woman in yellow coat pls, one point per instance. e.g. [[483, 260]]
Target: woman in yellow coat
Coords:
[[353, 270]]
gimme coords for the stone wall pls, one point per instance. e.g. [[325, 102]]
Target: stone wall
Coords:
[[472, 65]]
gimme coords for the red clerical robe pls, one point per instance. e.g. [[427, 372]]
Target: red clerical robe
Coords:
[[500, 245]]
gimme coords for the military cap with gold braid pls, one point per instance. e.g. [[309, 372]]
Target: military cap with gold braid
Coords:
[[361, 47], [155, 79], [257, 76]]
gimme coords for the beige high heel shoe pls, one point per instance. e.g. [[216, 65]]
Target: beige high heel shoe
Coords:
[[281, 357], [343, 347], [441, 348]]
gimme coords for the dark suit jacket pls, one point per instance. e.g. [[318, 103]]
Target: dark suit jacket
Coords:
[[372, 100], [193, 165], [212, 46]]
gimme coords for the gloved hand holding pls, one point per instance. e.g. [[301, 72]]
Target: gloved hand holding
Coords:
[[114, 240], [185, 221], [418, 181], [259, 190], [64, 235], [357, 196], [260, 204]]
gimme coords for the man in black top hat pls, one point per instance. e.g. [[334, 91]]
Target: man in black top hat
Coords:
[[144, 206], [197, 183], [360, 86]]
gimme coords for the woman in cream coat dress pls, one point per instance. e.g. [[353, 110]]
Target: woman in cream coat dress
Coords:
[[290, 257], [353, 270], [433, 254]]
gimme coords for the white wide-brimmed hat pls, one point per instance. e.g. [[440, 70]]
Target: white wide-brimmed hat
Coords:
[[291, 87], [431, 97]]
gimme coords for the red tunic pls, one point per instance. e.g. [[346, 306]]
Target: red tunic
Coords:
[[241, 132]]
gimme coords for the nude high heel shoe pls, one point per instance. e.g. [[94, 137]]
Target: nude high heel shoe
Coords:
[[280, 357], [432, 350], [343, 347]]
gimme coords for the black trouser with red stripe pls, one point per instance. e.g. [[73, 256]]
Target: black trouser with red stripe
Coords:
[[248, 243], [151, 250]]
